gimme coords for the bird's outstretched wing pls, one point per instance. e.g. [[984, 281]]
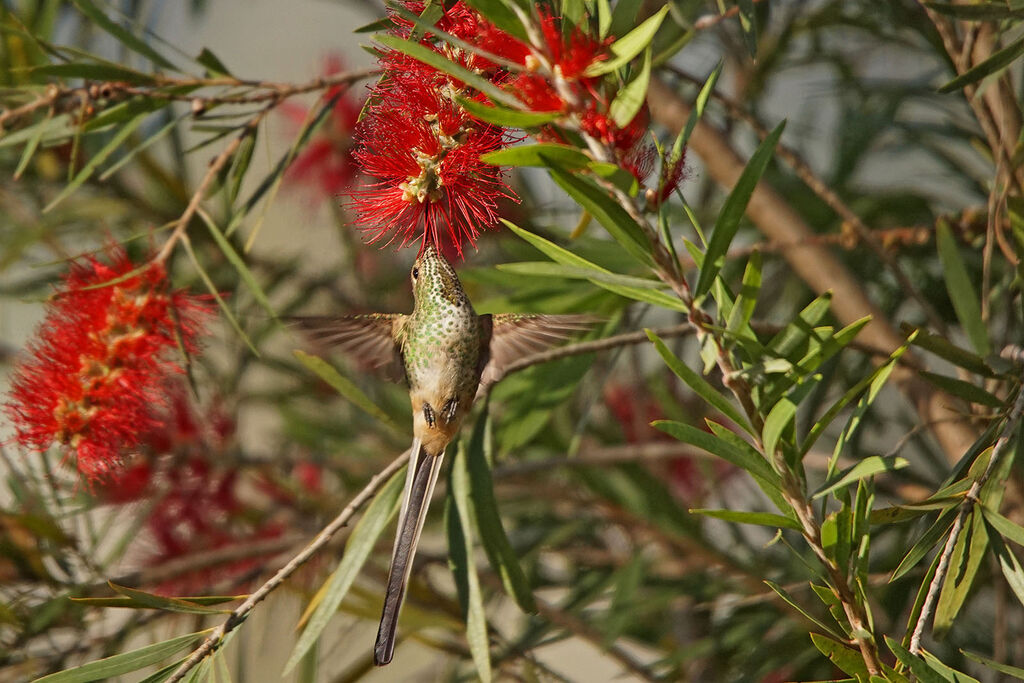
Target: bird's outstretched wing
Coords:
[[516, 335], [370, 340]]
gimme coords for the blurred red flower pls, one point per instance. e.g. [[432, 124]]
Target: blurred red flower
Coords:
[[96, 368], [326, 162]]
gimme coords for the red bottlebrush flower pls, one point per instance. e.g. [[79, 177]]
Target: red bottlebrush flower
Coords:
[[424, 152], [99, 361], [672, 173], [327, 160]]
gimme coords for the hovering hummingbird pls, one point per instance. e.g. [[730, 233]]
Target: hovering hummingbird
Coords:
[[445, 351]]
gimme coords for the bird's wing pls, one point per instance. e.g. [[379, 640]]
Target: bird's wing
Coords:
[[516, 335], [370, 340]]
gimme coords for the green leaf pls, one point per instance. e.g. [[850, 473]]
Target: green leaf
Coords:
[[212, 63], [126, 662], [968, 553], [1014, 671], [501, 14], [629, 46], [30, 150], [748, 25], [499, 551], [143, 599], [604, 18], [716, 446], [728, 221], [360, 545], [460, 553], [779, 418], [746, 300], [143, 146], [788, 599], [698, 384], [559, 270], [92, 71], [980, 11], [874, 383], [770, 487], [441, 63], [243, 270], [611, 215], [343, 386], [511, 118], [994, 64], [961, 290], [943, 348], [132, 603], [961, 389], [631, 99], [917, 665], [743, 517], [1005, 527], [1008, 562], [847, 659], [868, 467], [96, 160], [541, 154], [568, 258], [698, 109], [215, 293], [928, 541], [124, 36], [947, 672]]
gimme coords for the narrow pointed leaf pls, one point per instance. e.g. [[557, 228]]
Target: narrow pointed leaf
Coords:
[[541, 154], [742, 517], [732, 211], [868, 467], [629, 46], [343, 386], [917, 665], [716, 446], [125, 662], [699, 385], [997, 62], [961, 389], [123, 35], [628, 102], [503, 116], [97, 160], [603, 277], [961, 290], [844, 657], [788, 599], [460, 559], [499, 551], [357, 550], [607, 211], [1015, 671], [445, 65]]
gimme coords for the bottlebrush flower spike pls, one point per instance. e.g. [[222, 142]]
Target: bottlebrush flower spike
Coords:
[[424, 152], [327, 160], [95, 369]]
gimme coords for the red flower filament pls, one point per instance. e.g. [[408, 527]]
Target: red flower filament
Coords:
[[96, 366]]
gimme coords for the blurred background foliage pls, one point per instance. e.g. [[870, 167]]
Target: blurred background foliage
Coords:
[[260, 452]]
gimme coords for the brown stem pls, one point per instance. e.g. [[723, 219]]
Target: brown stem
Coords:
[[239, 614]]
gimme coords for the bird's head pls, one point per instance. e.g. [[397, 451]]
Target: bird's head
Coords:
[[434, 278]]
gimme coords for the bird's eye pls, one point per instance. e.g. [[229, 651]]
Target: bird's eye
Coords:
[[415, 273]]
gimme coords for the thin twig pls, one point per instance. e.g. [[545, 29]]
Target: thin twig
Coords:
[[1005, 443], [240, 613], [181, 225]]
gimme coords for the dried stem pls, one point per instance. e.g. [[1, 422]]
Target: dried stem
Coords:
[[1003, 444], [214, 640]]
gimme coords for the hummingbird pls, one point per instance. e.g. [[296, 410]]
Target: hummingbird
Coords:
[[446, 353]]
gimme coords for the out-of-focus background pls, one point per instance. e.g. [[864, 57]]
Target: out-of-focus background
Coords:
[[266, 454]]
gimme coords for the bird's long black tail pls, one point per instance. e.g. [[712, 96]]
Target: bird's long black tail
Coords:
[[419, 486]]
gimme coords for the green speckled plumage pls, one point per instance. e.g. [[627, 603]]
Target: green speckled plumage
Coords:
[[444, 350]]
